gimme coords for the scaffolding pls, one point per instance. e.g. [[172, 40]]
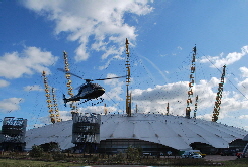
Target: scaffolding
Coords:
[[14, 131], [86, 132]]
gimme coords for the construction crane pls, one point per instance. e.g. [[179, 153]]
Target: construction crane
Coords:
[[51, 103], [191, 84], [219, 96], [128, 96], [68, 83]]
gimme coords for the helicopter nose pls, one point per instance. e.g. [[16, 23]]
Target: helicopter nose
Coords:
[[100, 92]]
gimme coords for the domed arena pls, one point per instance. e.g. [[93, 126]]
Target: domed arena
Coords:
[[154, 133]]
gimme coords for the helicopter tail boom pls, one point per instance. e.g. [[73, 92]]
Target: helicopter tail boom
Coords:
[[65, 100]]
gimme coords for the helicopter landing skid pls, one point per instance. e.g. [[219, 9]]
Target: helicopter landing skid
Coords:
[[92, 103]]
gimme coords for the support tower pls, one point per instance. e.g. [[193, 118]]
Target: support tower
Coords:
[[128, 97], [68, 84], [219, 96], [191, 84], [54, 116]]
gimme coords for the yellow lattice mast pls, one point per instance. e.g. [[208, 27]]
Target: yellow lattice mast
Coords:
[[219, 96], [68, 84], [55, 105], [128, 97], [191, 84], [196, 101], [54, 116], [168, 109]]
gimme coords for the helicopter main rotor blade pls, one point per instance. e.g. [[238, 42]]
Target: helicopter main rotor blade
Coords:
[[111, 78], [61, 69]]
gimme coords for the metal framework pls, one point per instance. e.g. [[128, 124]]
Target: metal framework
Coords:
[[14, 131], [128, 96], [191, 84], [51, 103], [85, 131], [219, 96]]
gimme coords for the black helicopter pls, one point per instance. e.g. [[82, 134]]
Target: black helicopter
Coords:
[[87, 90]]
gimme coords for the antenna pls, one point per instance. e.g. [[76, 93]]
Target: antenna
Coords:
[[219, 96], [54, 116], [128, 97], [68, 84], [191, 84]]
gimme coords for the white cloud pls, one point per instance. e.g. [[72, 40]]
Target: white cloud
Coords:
[[219, 61], [33, 88], [4, 83], [244, 71], [243, 117], [102, 20], [246, 128], [116, 85], [9, 105], [64, 115], [207, 117], [156, 99], [31, 60], [179, 48]]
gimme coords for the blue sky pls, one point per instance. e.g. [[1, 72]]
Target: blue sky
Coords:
[[34, 35]]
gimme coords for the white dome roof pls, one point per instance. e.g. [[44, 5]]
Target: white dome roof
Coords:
[[173, 131]]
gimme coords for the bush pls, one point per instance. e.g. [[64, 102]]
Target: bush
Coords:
[[58, 156], [36, 152], [133, 153]]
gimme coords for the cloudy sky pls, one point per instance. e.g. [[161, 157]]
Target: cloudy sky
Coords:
[[34, 35]]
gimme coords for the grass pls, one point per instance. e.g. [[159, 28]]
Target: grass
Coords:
[[22, 160], [32, 163]]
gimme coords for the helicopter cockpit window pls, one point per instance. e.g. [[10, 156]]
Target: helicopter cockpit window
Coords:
[[94, 85]]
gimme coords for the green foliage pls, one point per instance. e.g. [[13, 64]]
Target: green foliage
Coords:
[[54, 147], [36, 152], [55, 151], [133, 153], [95, 158]]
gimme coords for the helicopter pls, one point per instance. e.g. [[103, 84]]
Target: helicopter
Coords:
[[87, 90]]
